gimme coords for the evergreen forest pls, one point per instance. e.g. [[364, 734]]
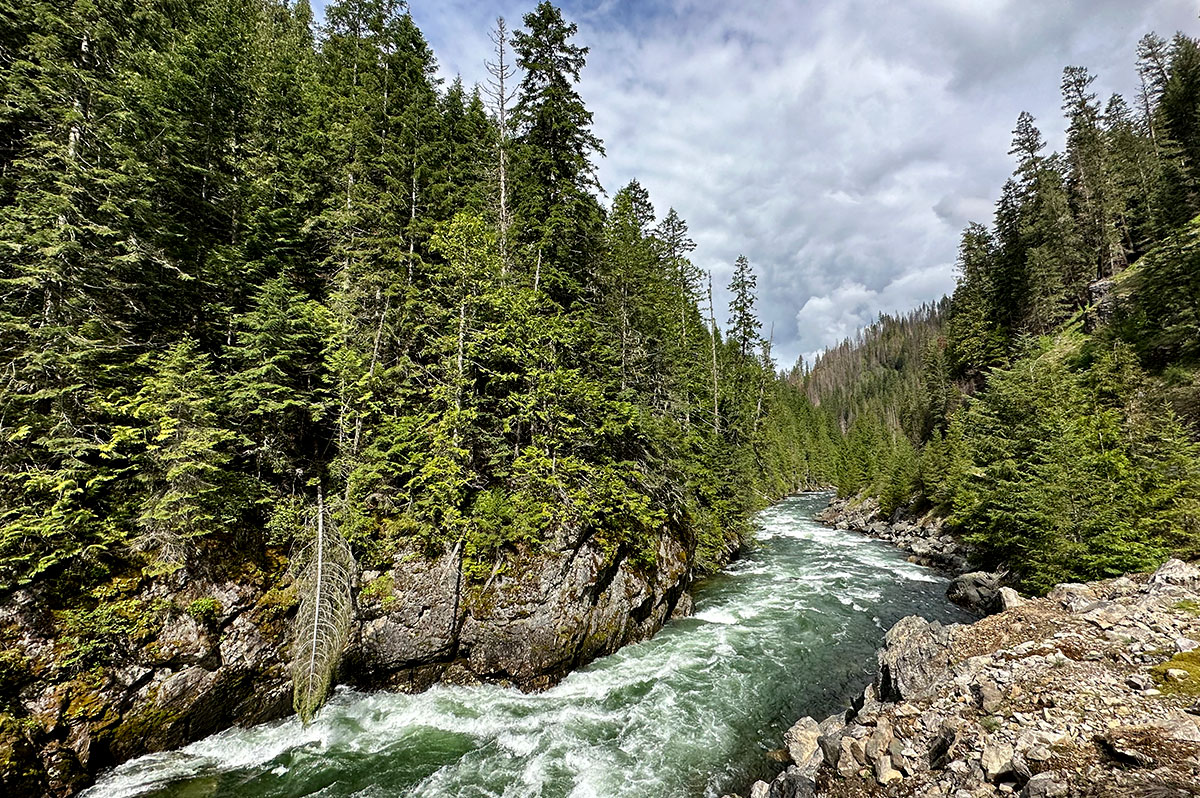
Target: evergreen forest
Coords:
[[264, 279], [1050, 408]]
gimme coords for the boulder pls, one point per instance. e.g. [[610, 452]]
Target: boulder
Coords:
[[792, 783], [1179, 727], [1106, 614], [1176, 573], [1073, 597], [914, 655], [996, 761], [1007, 599], [878, 741], [991, 698], [801, 741], [884, 772], [850, 758], [976, 591], [830, 740], [943, 746], [1052, 784]]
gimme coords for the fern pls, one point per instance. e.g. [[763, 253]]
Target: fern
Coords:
[[326, 573]]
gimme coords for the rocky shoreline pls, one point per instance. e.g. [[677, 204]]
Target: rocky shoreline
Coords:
[[924, 538], [1091, 691]]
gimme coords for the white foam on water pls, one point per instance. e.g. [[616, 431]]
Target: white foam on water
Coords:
[[723, 617]]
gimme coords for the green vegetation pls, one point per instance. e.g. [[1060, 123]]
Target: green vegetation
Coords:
[[1050, 408], [246, 261], [1190, 607], [1189, 663], [205, 611]]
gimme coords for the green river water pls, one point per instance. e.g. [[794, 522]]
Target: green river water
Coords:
[[788, 630]]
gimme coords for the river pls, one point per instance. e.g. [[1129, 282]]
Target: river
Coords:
[[789, 629]]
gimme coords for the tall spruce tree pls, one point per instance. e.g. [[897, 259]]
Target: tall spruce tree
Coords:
[[555, 208], [744, 325]]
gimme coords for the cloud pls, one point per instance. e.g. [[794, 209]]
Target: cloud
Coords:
[[841, 145], [829, 318]]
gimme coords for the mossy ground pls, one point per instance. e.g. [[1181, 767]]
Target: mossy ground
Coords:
[[1188, 661], [1190, 607]]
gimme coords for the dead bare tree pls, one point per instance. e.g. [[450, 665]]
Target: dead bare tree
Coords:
[[501, 92]]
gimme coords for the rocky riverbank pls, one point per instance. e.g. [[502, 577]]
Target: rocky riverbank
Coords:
[[1091, 691], [924, 538], [170, 660]]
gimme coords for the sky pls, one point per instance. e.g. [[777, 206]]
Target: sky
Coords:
[[841, 145]]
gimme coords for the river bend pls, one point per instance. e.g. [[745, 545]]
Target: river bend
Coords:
[[788, 630]]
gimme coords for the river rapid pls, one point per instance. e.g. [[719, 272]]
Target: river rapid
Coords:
[[788, 630]]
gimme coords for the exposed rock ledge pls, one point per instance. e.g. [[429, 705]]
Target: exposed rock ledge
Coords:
[[1091, 691], [417, 623], [925, 539]]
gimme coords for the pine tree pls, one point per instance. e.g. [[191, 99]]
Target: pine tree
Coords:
[[554, 204], [744, 325], [278, 389], [1087, 170], [684, 277], [633, 281], [184, 467]]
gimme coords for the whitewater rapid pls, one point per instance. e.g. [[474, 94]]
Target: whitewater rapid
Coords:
[[789, 629]]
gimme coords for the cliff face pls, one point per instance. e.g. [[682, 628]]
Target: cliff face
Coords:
[[1091, 691], [213, 652]]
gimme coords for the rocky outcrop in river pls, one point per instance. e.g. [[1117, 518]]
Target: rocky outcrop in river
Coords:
[[1091, 691], [203, 653]]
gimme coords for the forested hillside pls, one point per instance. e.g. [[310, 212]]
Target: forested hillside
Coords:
[[271, 288], [1052, 411]]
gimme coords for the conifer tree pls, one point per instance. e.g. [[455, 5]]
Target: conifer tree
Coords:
[[744, 324], [554, 203], [190, 492]]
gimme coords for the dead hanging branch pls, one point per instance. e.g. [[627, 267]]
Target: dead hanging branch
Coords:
[[326, 571]]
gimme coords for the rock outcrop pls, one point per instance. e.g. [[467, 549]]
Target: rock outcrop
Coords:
[[1091, 691], [977, 591], [211, 653]]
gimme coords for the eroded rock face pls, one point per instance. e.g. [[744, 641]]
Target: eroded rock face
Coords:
[[528, 627], [186, 679], [415, 624]]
